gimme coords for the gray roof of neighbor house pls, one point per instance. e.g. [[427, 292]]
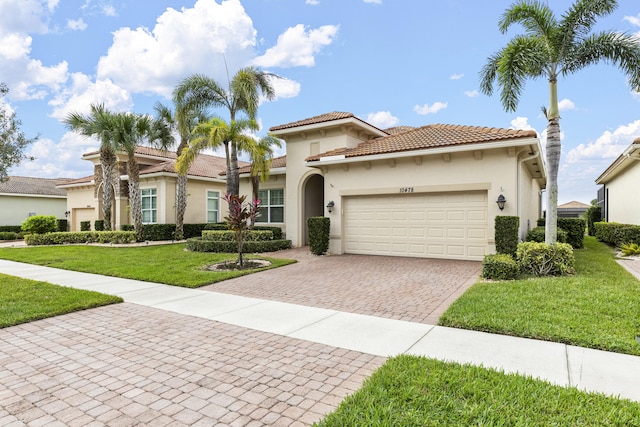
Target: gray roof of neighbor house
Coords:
[[574, 205], [21, 185], [425, 137]]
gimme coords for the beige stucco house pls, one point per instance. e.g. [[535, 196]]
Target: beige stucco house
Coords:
[[619, 183], [158, 179], [429, 191], [22, 197]]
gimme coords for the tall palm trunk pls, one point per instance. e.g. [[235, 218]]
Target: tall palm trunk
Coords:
[[108, 160], [553, 163], [181, 196], [233, 180], [135, 203]]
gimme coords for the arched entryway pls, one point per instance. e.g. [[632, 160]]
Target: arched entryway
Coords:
[[312, 201]]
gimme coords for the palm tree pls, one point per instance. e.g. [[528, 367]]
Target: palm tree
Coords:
[[261, 155], [183, 121], [242, 95], [99, 123], [132, 131], [553, 48]]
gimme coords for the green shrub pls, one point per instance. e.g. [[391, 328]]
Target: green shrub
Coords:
[[318, 227], [98, 225], [216, 226], [537, 235], [541, 222], [85, 225], [157, 232], [541, 259], [40, 224], [63, 225], [617, 234], [506, 234], [193, 230], [594, 214], [9, 235], [59, 238], [575, 228], [197, 244], [11, 228], [277, 231], [229, 236], [499, 267]]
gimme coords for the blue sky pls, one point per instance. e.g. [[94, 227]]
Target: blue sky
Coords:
[[390, 62]]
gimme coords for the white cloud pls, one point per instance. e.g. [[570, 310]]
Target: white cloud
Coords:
[[76, 24], [181, 43], [373, 1], [26, 77], [430, 109], [25, 16], [297, 47], [521, 123], [285, 88], [456, 76], [83, 92], [382, 119], [313, 2], [566, 104], [609, 145], [634, 20], [472, 93]]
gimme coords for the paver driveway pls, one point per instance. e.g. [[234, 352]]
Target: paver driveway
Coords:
[[411, 289], [126, 365]]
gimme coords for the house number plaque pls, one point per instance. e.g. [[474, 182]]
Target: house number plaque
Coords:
[[406, 189]]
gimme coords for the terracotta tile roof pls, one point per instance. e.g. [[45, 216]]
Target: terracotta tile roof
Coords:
[[574, 205], [398, 129], [278, 162], [204, 166], [431, 136], [33, 186], [83, 180], [145, 151], [328, 117]]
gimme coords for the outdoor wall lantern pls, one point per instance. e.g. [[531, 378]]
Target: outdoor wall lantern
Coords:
[[501, 201], [330, 206], [66, 214]]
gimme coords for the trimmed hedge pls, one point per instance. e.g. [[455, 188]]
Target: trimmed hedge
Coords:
[[594, 214], [85, 225], [98, 225], [156, 232], [40, 224], [319, 227], [59, 238], [230, 236], [617, 234], [506, 234], [9, 235], [277, 231], [575, 228], [541, 259], [537, 235], [63, 225], [11, 228], [499, 267], [197, 244]]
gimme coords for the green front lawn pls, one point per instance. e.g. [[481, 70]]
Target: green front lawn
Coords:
[[169, 264], [416, 391], [23, 300], [597, 307]]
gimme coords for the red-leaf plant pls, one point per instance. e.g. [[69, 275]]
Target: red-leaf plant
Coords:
[[242, 216]]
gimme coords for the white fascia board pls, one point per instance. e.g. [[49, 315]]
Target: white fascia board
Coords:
[[272, 172], [619, 164], [331, 160], [76, 185], [41, 196]]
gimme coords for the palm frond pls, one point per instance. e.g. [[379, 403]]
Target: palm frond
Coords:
[[536, 18]]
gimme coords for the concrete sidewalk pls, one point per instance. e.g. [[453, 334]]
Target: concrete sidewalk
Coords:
[[587, 369]]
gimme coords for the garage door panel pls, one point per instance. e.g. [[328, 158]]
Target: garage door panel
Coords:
[[441, 225]]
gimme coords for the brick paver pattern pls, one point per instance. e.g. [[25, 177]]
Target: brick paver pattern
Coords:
[[126, 365], [411, 289]]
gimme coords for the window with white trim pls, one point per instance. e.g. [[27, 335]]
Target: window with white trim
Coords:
[[213, 206], [271, 206], [149, 206]]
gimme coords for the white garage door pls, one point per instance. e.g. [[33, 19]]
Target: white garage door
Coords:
[[431, 225]]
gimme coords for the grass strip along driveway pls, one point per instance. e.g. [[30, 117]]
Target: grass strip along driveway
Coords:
[[596, 308], [23, 300], [168, 264]]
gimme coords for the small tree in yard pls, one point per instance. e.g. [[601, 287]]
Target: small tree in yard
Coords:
[[240, 220]]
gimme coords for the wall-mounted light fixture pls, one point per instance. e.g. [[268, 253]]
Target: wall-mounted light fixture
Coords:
[[501, 201], [330, 206], [67, 213]]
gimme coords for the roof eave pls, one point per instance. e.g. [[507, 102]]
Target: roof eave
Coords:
[[330, 123]]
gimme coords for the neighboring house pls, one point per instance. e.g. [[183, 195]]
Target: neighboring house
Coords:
[[22, 197], [618, 194], [158, 178], [427, 192], [572, 209]]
